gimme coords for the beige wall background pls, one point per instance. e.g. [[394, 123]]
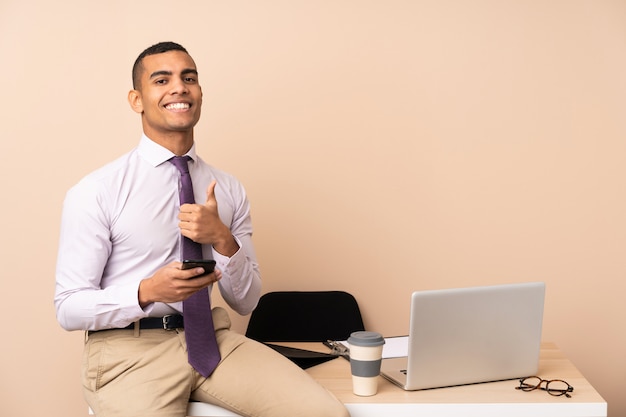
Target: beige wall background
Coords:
[[387, 146]]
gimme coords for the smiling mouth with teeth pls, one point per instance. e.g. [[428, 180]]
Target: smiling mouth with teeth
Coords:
[[177, 106]]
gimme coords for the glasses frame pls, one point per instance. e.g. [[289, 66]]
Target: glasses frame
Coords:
[[527, 386]]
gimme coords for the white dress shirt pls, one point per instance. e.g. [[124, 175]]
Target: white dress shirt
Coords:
[[120, 225]]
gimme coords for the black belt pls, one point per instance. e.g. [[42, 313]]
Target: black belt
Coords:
[[169, 322]]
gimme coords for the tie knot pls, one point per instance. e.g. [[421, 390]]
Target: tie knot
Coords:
[[180, 162]]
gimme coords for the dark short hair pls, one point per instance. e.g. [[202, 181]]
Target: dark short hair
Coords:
[[158, 48]]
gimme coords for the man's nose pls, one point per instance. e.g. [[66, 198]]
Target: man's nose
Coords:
[[179, 87]]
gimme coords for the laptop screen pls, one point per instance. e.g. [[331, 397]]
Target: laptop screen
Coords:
[[471, 335]]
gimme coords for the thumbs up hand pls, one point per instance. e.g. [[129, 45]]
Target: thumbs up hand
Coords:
[[202, 224]]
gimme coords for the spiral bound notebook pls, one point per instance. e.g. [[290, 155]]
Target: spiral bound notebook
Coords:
[[470, 335]]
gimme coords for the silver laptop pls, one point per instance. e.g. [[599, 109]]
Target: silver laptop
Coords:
[[470, 335]]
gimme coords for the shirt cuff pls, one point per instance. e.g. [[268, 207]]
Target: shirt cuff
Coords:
[[233, 262]]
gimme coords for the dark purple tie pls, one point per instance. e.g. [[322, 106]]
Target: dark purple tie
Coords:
[[202, 350]]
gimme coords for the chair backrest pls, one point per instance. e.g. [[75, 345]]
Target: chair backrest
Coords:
[[304, 316]]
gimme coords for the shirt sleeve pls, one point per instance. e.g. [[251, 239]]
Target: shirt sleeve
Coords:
[[84, 248], [240, 285]]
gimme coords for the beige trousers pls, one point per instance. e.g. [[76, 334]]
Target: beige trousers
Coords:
[[145, 373]]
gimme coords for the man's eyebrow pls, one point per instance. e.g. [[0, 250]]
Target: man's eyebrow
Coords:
[[169, 73], [159, 73]]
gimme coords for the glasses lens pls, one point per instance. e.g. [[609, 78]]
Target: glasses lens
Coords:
[[530, 383], [557, 387]]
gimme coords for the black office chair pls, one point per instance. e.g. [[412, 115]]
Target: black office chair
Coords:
[[305, 316]]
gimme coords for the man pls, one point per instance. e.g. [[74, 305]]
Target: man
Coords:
[[119, 274]]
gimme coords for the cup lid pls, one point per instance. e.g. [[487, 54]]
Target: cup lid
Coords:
[[366, 339]]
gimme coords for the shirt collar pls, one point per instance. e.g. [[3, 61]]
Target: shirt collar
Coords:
[[156, 154]]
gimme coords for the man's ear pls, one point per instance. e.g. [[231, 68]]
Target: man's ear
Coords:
[[134, 99]]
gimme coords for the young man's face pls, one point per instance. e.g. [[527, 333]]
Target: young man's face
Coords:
[[169, 95]]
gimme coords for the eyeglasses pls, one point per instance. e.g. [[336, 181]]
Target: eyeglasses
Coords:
[[556, 387]]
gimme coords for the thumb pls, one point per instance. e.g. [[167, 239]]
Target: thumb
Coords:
[[210, 192]]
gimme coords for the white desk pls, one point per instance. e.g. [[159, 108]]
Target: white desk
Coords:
[[495, 399]]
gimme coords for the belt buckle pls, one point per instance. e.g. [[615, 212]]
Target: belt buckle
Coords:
[[166, 322]]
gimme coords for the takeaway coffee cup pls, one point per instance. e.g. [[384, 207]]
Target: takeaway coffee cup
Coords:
[[366, 349]]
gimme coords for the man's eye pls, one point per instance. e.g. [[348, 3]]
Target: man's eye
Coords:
[[160, 82], [190, 80]]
